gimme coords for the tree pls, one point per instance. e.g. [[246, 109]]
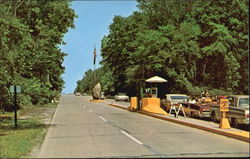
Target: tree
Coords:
[[183, 41], [30, 33], [103, 75]]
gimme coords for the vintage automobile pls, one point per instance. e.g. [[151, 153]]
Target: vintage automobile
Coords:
[[121, 97], [77, 94], [238, 113], [197, 110], [102, 95], [173, 100]]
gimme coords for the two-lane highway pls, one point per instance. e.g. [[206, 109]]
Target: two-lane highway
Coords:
[[81, 129]]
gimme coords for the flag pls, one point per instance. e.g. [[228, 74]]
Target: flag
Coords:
[[94, 55]]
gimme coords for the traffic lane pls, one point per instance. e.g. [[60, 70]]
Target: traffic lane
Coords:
[[170, 139], [76, 132]]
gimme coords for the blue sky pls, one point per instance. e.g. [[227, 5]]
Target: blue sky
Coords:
[[94, 18]]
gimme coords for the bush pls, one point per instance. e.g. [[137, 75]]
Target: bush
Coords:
[[213, 92], [216, 92]]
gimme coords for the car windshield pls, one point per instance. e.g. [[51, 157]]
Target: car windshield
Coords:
[[182, 98], [244, 102]]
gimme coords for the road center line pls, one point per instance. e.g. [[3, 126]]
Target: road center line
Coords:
[[103, 118], [90, 111], [131, 137]]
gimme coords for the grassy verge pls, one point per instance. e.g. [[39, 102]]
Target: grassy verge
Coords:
[[51, 105], [17, 143], [31, 108]]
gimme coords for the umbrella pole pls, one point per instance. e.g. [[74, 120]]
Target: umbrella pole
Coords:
[[156, 90]]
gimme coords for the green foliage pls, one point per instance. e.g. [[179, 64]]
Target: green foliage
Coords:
[[102, 75], [30, 34], [195, 45], [214, 92], [86, 84]]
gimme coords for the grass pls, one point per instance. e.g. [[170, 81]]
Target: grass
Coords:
[[18, 143], [30, 108], [51, 105]]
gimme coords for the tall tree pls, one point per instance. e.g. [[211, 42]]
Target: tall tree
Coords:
[[187, 42], [30, 34]]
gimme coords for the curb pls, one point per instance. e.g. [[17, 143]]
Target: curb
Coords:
[[114, 105], [45, 139], [37, 150], [228, 134]]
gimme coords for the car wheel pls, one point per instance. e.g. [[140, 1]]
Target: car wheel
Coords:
[[192, 115], [234, 123], [163, 108], [214, 117]]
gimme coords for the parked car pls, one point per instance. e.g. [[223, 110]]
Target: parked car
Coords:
[[173, 100], [77, 94], [102, 95], [238, 113], [121, 97], [197, 110]]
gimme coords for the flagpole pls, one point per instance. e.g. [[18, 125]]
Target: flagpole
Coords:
[[94, 66], [94, 75]]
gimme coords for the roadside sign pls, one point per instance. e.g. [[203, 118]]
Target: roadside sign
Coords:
[[15, 90], [224, 105], [224, 123], [12, 89], [18, 89]]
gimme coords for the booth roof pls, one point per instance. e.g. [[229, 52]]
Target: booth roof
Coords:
[[156, 79]]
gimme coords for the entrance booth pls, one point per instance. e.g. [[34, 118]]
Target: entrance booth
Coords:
[[152, 102]]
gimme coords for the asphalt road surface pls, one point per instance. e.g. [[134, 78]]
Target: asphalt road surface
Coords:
[[81, 129]]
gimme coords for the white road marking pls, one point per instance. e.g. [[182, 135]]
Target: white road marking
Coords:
[[91, 111], [103, 118], [131, 137]]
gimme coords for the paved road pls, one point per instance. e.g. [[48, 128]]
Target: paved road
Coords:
[[85, 130]]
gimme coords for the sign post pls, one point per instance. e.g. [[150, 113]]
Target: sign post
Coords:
[[224, 123], [15, 90]]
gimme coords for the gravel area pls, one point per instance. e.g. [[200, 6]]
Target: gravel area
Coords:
[[43, 113]]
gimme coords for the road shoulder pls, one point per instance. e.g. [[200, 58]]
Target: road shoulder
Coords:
[[46, 115]]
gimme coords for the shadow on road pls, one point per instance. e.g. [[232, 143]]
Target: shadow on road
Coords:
[[22, 124]]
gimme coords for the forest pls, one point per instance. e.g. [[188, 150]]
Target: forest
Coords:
[[195, 45], [30, 34]]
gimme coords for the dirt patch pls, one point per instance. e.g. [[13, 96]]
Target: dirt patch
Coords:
[[41, 112], [45, 114], [5, 117]]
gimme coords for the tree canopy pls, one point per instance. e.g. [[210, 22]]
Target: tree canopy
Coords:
[[91, 77], [31, 32], [195, 45]]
